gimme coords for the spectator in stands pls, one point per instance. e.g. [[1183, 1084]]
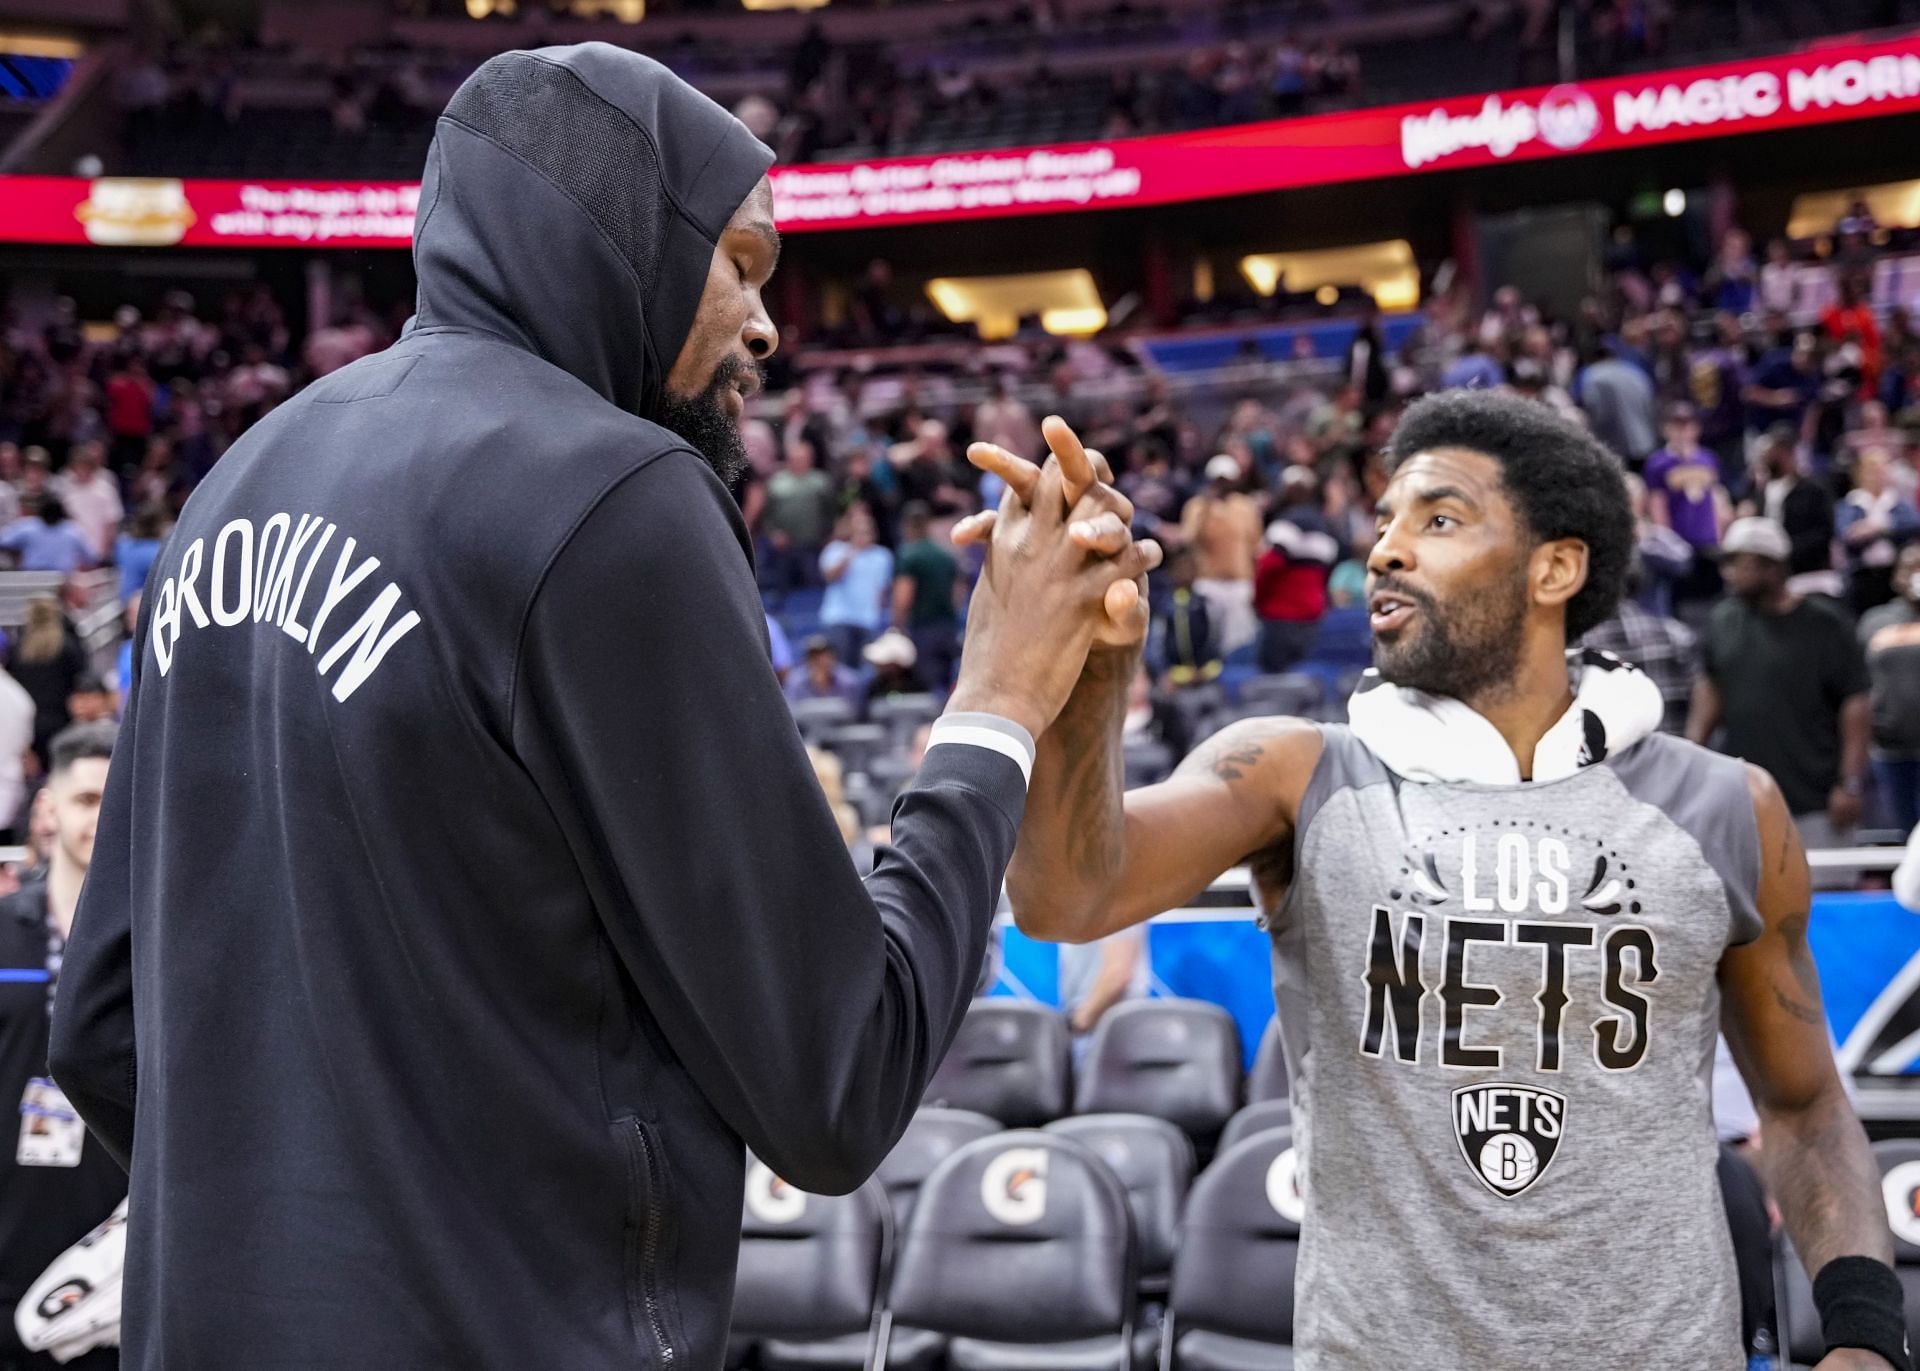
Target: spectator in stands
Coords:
[[1718, 376], [1337, 428], [1366, 364], [130, 396], [1290, 580], [90, 702], [828, 771], [822, 676], [1096, 976], [1684, 494], [1618, 397], [779, 649], [11, 466], [1183, 625], [1785, 385], [927, 595], [134, 550], [1850, 320], [1663, 647], [48, 663], [1733, 281], [1890, 637], [1785, 679], [1222, 526], [1478, 368], [894, 659], [925, 470], [1874, 521], [123, 663], [1804, 508], [1004, 420], [798, 516], [44, 539], [1779, 280], [92, 499], [18, 714], [859, 579], [60, 1182]]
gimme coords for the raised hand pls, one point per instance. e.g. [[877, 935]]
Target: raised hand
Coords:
[[1043, 596], [1099, 517]]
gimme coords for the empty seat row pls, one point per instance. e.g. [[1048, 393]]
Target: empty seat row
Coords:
[[1175, 1059], [1027, 1249]]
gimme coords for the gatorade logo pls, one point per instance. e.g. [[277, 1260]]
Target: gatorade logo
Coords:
[[772, 1200], [1014, 1186]]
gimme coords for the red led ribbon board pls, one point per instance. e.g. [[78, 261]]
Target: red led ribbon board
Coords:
[[1827, 84]]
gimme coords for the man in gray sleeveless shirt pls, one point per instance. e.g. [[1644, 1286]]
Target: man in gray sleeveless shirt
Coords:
[[1509, 918]]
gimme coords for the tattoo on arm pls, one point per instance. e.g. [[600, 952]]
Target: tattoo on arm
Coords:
[[1806, 1014], [1228, 757]]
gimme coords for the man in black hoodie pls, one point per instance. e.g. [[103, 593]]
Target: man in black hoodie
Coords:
[[464, 898]]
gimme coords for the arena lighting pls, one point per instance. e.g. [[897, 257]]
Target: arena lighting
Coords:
[[1895, 204], [1674, 202], [783, 4], [38, 45], [1073, 323], [481, 9], [1386, 271], [1068, 302]]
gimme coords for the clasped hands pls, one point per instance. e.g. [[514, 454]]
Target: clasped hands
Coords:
[[1063, 575]]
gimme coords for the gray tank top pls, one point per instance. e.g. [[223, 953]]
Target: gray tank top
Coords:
[[1499, 1005]]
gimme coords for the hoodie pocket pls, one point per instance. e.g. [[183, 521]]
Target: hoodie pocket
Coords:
[[647, 1234]]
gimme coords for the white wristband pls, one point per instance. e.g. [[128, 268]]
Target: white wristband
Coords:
[[990, 731]]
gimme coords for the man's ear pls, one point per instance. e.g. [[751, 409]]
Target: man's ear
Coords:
[[1559, 571]]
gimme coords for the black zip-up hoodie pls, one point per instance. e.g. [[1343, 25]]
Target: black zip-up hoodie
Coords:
[[463, 896]]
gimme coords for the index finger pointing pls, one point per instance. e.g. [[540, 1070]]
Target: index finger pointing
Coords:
[[1076, 469]]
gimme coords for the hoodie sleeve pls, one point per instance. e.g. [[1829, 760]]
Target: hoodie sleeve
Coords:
[[811, 1008]]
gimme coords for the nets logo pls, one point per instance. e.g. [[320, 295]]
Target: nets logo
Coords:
[[1568, 118], [1508, 1133], [1014, 1186], [771, 1200]]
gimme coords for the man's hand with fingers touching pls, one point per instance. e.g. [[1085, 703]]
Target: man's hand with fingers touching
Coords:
[[1098, 519], [1062, 572]]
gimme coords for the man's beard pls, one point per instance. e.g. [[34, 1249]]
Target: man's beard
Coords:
[[1460, 652], [705, 423]]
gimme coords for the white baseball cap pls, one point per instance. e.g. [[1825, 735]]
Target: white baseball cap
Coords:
[[1762, 537], [1223, 468]]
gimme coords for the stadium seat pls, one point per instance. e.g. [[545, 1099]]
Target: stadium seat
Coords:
[[934, 1135], [1899, 1160], [1291, 693], [1021, 1249], [816, 718], [1009, 1062], [1256, 1118], [856, 745], [1146, 762], [1231, 1307], [1154, 1161], [811, 1266], [1177, 1060], [900, 715], [1744, 1200], [1268, 1079]]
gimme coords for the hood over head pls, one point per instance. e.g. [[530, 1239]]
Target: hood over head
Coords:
[[571, 203]]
